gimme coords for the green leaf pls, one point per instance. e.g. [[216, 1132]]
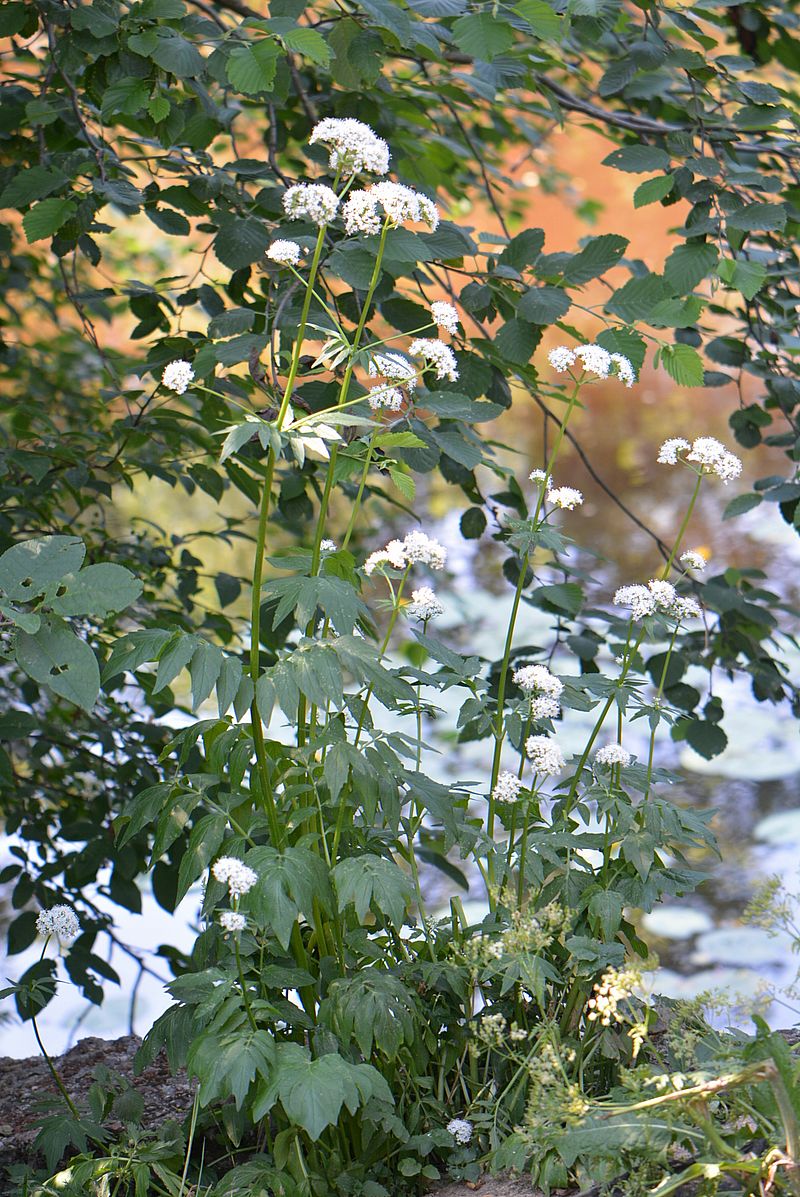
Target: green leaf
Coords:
[[684, 364], [707, 739], [32, 567], [134, 650], [335, 597], [638, 159], [373, 883], [288, 885], [544, 305], [308, 42], [252, 68], [226, 1065], [176, 55], [544, 22], [517, 340], [652, 190], [605, 1137], [241, 241], [758, 216], [483, 36], [204, 669], [228, 682], [30, 185], [741, 504], [174, 657], [596, 257], [373, 1008], [744, 276], [606, 907], [97, 590], [688, 264], [57, 658], [560, 597], [46, 218], [204, 843]]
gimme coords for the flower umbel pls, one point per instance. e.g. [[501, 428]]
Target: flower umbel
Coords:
[[507, 788], [60, 921], [613, 754], [354, 146], [545, 756], [460, 1129], [230, 920], [445, 316], [234, 873], [437, 355], [177, 376], [311, 201], [424, 604], [286, 253]]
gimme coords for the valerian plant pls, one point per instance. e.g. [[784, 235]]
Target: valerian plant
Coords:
[[340, 1031]]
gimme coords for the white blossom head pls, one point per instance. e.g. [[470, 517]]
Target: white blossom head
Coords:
[[360, 213], [671, 448], [354, 146], [437, 355], [561, 359], [445, 316], [401, 204], [713, 458], [565, 496], [231, 920], [460, 1129], [613, 754], [694, 559], [538, 679], [637, 598], [595, 360], [234, 873], [388, 397], [394, 555], [624, 369], [419, 547], [60, 921], [658, 596], [544, 707], [424, 604], [328, 546], [538, 476], [395, 366], [177, 376], [507, 788], [285, 253], [686, 607], [311, 201], [545, 756]]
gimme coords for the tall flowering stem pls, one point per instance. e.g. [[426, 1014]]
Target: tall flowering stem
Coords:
[[499, 726], [265, 783]]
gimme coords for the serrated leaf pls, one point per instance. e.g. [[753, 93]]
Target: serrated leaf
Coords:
[[596, 257], [173, 658], [204, 843], [544, 22], [741, 504], [308, 42], [688, 264], [483, 36], [46, 218], [32, 567], [637, 159], [57, 658], [97, 590], [373, 882], [134, 650], [746, 277], [653, 190], [204, 669], [758, 216], [684, 364], [543, 305], [241, 241], [252, 68]]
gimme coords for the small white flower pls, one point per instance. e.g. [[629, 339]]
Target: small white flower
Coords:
[[532, 678], [544, 707], [424, 604], [438, 356], [460, 1129], [420, 547], [445, 316], [668, 453], [402, 203], [385, 397], [613, 754], [311, 201], [229, 920], [625, 370], [713, 458], [561, 358], [287, 253], [538, 476], [694, 559], [507, 787], [360, 213], [662, 592], [686, 608], [177, 376], [596, 360], [565, 496], [354, 146], [238, 876], [638, 598], [60, 921], [328, 546], [395, 366], [545, 756]]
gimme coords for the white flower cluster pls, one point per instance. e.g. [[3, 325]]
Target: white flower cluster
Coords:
[[507, 788], [445, 316], [390, 398], [656, 596], [538, 476], [354, 146], [709, 453], [177, 376], [544, 689], [613, 754], [424, 604], [229, 920], [60, 921], [460, 1129], [234, 873], [286, 253], [693, 559], [399, 204], [395, 366], [415, 547], [437, 355], [614, 987], [311, 201], [328, 546], [565, 496], [545, 756], [595, 360]]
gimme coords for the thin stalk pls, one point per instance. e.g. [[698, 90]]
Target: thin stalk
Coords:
[[361, 487], [245, 995], [73, 1109]]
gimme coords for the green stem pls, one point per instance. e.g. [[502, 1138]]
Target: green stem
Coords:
[[361, 487], [54, 1073], [245, 995]]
